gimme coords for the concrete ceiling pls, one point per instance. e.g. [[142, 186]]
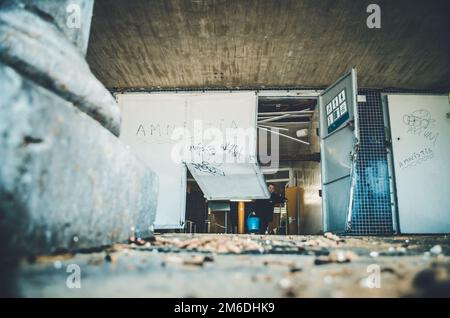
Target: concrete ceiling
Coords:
[[268, 43]]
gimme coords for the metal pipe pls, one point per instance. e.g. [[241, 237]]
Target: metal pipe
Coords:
[[287, 123], [292, 116], [274, 118], [285, 136], [294, 112], [278, 180], [280, 128]]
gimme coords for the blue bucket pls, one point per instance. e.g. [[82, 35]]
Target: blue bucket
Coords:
[[253, 223]]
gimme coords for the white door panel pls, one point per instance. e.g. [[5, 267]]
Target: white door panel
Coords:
[[420, 131]]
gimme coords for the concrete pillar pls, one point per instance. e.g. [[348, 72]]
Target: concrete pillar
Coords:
[[73, 17], [66, 180], [32, 43]]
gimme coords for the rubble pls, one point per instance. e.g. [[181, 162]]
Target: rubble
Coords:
[[394, 251], [195, 260], [333, 237], [336, 257], [198, 260], [392, 271], [152, 263], [285, 283], [225, 244], [437, 249], [216, 244]]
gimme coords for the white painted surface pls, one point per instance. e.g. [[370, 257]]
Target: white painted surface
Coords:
[[232, 172], [152, 125], [148, 121], [420, 133]]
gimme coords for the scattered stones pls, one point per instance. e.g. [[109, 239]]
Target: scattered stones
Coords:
[[392, 271], [291, 275], [137, 241], [321, 260], [333, 237], [225, 244], [198, 260], [336, 257], [285, 283], [295, 269], [436, 250], [195, 260], [394, 251], [215, 244]]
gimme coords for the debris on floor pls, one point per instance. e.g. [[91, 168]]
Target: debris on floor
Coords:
[[194, 260], [180, 265], [216, 244], [232, 244], [337, 256]]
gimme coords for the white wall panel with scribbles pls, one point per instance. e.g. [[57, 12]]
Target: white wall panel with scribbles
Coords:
[[213, 134], [420, 131]]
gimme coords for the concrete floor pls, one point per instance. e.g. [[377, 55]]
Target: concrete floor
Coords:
[[177, 265]]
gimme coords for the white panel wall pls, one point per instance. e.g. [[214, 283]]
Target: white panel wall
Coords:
[[148, 121], [158, 125], [420, 131]]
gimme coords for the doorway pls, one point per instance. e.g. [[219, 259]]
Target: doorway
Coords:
[[293, 123]]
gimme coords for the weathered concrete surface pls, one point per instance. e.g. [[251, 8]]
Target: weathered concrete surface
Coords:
[[287, 266], [65, 14], [268, 43], [35, 46], [65, 181]]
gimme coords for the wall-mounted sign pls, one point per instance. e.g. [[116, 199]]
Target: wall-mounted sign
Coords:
[[337, 111]]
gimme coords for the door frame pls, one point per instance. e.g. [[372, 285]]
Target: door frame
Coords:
[[390, 161]]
